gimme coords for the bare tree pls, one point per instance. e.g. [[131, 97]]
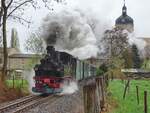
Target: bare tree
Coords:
[[0, 39], [1, 13], [14, 9], [115, 42], [0, 42], [4, 18], [35, 44]]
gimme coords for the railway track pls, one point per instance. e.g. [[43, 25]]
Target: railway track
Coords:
[[24, 104], [20, 99]]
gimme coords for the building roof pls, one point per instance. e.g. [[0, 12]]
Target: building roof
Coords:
[[146, 39], [124, 18], [21, 55], [10, 50]]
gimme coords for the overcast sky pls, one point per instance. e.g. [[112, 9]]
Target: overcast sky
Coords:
[[106, 10]]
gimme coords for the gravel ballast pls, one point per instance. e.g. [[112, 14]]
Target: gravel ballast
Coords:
[[72, 103]]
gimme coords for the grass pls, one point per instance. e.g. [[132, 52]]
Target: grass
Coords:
[[19, 84], [129, 104], [146, 64], [8, 92]]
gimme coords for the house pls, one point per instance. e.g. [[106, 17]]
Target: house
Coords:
[[19, 63], [22, 61], [10, 52]]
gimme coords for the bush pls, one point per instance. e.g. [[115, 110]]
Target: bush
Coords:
[[99, 72]]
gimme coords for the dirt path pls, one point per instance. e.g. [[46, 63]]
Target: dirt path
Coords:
[[8, 94]]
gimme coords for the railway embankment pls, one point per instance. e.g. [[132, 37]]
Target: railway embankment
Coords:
[[90, 98], [9, 94]]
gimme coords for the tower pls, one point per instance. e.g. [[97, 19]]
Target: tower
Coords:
[[14, 39], [125, 21]]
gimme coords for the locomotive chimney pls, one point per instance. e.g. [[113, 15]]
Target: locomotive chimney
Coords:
[[50, 49]]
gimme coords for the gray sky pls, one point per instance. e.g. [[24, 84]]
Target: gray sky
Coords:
[[106, 10]]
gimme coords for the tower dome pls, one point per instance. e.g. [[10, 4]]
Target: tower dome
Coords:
[[125, 21]]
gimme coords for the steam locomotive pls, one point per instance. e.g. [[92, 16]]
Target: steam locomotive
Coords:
[[57, 69]]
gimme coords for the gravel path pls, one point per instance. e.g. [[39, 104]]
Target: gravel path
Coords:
[[64, 104]]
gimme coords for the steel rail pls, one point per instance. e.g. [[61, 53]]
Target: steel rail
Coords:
[[16, 103], [33, 104], [20, 99]]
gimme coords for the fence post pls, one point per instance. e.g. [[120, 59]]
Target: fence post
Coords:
[[125, 90], [98, 91], [137, 94], [93, 95], [145, 101], [13, 81], [89, 98], [102, 91]]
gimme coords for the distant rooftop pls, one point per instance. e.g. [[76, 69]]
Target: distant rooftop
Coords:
[[124, 18], [21, 55]]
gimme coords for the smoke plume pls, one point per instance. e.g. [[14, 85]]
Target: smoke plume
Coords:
[[79, 31], [72, 31]]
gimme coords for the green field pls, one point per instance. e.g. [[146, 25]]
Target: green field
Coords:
[[19, 84], [129, 104], [146, 65]]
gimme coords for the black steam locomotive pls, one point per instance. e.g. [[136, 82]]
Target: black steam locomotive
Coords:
[[57, 68]]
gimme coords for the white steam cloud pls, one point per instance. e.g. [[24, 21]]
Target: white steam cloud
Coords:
[[78, 27], [134, 40], [29, 74], [69, 89], [73, 31]]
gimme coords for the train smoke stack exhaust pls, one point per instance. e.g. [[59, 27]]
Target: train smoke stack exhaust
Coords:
[[69, 31]]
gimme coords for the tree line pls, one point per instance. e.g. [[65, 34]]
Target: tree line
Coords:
[[14, 9], [120, 53]]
